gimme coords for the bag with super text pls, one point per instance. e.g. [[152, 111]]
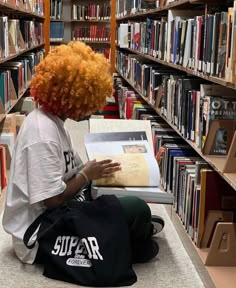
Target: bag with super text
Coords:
[[86, 243]]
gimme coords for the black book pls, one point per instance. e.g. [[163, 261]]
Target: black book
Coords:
[[216, 42]]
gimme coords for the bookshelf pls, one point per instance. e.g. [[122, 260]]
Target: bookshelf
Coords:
[[21, 9], [24, 41], [30, 16], [89, 21], [135, 43], [213, 79], [215, 162]]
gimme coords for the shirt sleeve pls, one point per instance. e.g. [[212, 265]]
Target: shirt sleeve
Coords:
[[44, 171]]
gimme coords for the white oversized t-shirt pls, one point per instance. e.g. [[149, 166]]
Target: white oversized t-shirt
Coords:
[[43, 161]]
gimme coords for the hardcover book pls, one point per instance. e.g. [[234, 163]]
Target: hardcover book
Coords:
[[131, 145], [138, 164]]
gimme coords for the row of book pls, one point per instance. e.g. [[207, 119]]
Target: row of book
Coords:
[[17, 35], [127, 7], [105, 51], [197, 189], [91, 33], [130, 7], [189, 103], [203, 43], [91, 11], [35, 6], [57, 31], [56, 7], [15, 77]]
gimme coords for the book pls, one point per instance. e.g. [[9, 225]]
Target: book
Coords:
[[153, 194], [129, 129], [121, 125], [123, 35], [138, 164]]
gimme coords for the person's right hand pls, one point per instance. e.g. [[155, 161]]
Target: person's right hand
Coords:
[[101, 169]]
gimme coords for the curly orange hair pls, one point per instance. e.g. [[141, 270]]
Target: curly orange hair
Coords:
[[72, 81]]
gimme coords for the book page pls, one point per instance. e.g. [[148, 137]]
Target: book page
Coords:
[[116, 147], [121, 125], [102, 150], [135, 170]]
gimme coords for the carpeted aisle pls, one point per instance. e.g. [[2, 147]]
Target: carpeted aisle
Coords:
[[171, 269]]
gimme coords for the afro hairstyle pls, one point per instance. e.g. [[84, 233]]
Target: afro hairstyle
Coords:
[[72, 81]]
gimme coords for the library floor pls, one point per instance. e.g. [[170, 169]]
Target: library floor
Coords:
[[176, 266]]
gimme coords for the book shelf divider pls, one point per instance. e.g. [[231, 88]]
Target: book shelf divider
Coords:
[[213, 217], [222, 250], [12, 48], [12, 91], [230, 164], [21, 42]]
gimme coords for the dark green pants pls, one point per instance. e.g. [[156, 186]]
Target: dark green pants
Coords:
[[138, 215]]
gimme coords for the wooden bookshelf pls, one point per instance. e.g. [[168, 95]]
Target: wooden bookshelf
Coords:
[[13, 104], [113, 34], [221, 276], [217, 163], [9, 6], [10, 9], [47, 25], [71, 24], [2, 60], [176, 4], [215, 80]]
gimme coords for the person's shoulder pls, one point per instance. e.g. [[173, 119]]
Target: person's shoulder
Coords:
[[39, 126], [38, 118]]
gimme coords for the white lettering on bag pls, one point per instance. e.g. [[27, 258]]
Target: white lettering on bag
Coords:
[[57, 246], [79, 262], [79, 248], [94, 247], [64, 246]]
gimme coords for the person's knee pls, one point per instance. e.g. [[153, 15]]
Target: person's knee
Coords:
[[141, 208]]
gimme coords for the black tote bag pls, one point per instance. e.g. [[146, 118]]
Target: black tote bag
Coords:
[[86, 243]]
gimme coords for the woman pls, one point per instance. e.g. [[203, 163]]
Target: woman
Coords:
[[46, 172]]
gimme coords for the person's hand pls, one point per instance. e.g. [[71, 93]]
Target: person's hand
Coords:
[[101, 169]]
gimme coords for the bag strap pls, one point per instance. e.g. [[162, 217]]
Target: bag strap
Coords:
[[55, 217]]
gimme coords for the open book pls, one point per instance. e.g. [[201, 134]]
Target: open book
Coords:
[[138, 164], [130, 143]]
